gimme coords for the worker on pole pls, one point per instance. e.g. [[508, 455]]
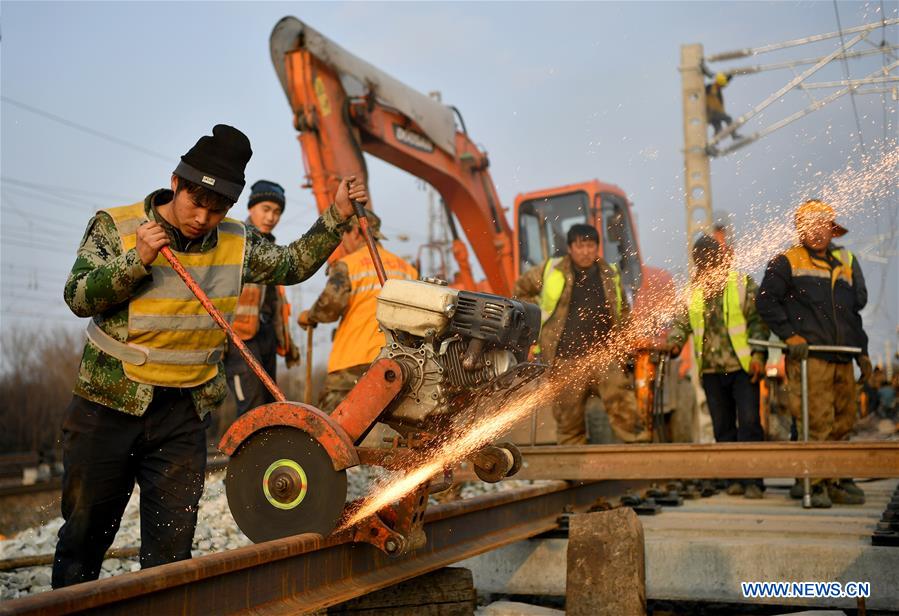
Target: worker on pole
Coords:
[[716, 116], [351, 295], [151, 370], [583, 303], [722, 317], [813, 294], [262, 316]]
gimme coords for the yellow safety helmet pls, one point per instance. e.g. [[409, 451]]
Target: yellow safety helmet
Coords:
[[816, 209], [721, 79]]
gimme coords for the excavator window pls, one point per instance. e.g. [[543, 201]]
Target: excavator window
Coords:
[[619, 244], [543, 226]]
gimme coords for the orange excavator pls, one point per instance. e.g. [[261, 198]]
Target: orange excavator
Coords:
[[343, 106]]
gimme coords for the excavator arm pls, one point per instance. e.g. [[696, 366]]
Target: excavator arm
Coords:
[[343, 106]]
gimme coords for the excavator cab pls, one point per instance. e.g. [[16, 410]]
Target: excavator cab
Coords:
[[542, 219]]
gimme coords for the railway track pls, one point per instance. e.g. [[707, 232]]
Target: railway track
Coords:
[[304, 573]]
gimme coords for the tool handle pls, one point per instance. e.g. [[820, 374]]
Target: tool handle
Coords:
[[219, 318], [370, 241], [823, 348], [307, 391]]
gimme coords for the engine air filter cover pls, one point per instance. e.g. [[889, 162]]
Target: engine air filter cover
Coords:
[[415, 307]]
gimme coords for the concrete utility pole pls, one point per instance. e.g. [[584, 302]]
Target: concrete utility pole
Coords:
[[697, 182]]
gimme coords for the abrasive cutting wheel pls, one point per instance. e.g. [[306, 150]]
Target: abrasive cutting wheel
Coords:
[[281, 482]]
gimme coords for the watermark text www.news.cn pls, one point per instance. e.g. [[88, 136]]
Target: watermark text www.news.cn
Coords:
[[803, 590]]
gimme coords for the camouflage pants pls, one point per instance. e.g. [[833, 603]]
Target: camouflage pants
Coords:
[[337, 385], [617, 393], [831, 399]]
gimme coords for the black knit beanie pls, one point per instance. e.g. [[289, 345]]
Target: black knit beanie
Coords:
[[264, 190], [218, 162]]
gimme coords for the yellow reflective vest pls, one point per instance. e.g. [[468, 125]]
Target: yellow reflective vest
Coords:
[[358, 340], [734, 298], [554, 285], [172, 341]]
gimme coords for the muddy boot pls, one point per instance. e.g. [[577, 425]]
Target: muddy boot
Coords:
[[849, 485], [841, 496], [796, 491], [736, 489], [820, 497], [753, 491]]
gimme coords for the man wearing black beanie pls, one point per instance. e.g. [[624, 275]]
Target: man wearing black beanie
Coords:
[[151, 369]]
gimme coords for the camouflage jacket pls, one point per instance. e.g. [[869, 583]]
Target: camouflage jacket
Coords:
[[529, 286], [104, 278], [335, 297], [718, 355]]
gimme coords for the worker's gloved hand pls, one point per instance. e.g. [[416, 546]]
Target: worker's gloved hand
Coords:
[[797, 347], [304, 321], [864, 363], [756, 370], [293, 356]]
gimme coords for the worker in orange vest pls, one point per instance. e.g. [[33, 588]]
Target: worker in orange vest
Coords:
[[262, 316], [351, 295]]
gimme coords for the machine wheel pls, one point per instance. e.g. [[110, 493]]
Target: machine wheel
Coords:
[[493, 463], [281, 482], [516, 456]]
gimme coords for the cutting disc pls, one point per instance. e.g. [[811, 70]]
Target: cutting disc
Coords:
[[281, 482]]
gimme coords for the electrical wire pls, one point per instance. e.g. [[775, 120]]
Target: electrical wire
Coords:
[[85, 129], [61, 189], [858, 123]]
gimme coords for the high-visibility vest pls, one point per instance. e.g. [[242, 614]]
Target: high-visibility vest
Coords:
[[246, 315], [802, 264], [180, 342], [554, 285], [734, 299], [357, 340]]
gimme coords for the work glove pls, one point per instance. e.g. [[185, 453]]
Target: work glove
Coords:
[[864, 363], [756, 370], [304, 322], [293, 356], [797, 347]]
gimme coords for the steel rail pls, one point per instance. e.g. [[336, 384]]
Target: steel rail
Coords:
[[305, 573], [708, 461]]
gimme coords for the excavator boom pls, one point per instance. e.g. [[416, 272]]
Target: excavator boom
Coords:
[[344, 106]]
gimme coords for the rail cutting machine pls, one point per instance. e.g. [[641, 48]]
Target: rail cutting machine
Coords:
[[449, 357]]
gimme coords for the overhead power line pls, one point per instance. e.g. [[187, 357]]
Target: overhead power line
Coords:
[[846, 76], [86, 129]]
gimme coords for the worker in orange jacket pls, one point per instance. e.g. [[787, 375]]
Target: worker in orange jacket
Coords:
[[262, 316], [351, 295]]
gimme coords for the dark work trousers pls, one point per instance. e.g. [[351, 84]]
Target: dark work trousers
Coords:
[[248, 390], [104, 452], [734, 406]]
